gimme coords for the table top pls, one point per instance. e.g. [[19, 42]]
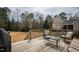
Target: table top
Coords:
[[52, 37]]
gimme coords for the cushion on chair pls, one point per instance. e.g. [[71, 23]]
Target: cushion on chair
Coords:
[[69, 34]]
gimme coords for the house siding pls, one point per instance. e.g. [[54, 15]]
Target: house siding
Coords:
[[57, 23], [76, 26]]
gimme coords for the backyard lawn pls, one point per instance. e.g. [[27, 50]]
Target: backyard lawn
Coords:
[[19, 36]]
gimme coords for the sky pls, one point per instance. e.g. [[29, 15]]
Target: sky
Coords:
[[46, 10]]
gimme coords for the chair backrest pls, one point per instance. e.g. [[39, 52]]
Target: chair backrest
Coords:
[[69, 35], [46, 32]]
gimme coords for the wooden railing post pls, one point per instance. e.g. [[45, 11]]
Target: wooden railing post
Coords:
[[30, 35]]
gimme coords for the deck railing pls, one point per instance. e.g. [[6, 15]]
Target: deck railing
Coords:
[[34, 33]]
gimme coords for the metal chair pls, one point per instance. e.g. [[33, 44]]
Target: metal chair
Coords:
[[68, 36]]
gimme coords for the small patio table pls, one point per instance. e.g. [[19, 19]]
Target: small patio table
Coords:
[[53, 38]]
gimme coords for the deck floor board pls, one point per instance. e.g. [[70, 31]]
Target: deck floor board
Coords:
[[38, 45]]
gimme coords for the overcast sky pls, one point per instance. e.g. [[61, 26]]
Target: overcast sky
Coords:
[[47, 10]]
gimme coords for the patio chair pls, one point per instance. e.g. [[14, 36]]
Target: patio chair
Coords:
[[68, 37], [46, 33]]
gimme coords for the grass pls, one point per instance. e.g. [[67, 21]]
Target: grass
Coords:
[[19, 36]]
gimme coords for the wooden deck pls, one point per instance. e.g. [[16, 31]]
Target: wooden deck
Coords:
[[74, 46], [38, 45]]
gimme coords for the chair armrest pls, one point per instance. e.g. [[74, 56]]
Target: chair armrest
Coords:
[[63, 36]]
